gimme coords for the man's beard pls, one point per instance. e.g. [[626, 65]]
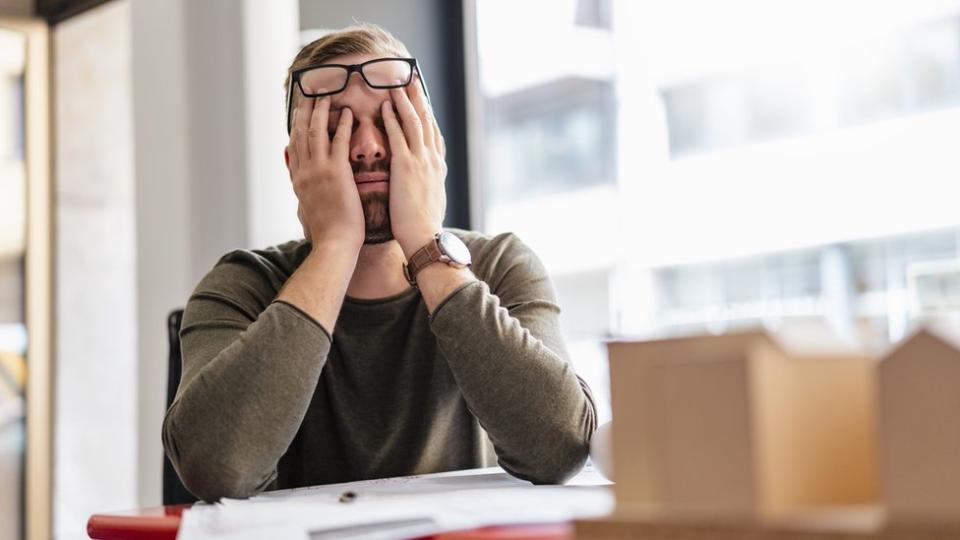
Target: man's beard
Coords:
[[376, 214], [376, 206]]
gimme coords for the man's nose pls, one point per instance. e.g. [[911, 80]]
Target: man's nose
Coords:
[[368, 145]]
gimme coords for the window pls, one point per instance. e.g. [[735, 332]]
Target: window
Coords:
[[681, 167], [550, 139]]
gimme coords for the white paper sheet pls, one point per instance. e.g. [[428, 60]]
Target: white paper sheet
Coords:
[[396, 508]]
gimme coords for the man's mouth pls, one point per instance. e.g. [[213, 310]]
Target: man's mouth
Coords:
[[371, 177]]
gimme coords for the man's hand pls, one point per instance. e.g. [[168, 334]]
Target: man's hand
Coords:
[[417, 195], [330, 209], [417, 168]]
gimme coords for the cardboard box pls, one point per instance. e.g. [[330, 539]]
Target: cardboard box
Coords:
[[735, 427], [860, 523], [919, 396]]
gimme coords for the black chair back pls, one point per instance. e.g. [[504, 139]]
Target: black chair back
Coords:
[[173, 490]]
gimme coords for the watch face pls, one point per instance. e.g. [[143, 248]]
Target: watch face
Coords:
[[454, 248]]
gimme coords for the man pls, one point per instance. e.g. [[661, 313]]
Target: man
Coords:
[[380, 345]]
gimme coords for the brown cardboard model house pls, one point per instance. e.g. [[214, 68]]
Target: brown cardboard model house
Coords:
[[919, 395], [736, 427]]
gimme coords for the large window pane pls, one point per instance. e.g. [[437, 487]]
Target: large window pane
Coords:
[[683, 167]]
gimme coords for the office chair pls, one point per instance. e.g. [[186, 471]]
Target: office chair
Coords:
[[173, 490]]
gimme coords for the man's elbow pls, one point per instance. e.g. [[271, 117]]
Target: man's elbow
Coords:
[[567, 462], [567, 453], [211, 477], [555, 463], [210, 482]]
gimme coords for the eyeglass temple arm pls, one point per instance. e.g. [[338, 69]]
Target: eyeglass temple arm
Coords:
[[290, 86]]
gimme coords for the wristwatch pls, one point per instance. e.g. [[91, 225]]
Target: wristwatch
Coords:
[[444, 247]]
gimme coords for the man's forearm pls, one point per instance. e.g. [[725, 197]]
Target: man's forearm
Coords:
[[538, 413], [319, 285], [246, 387], [242, 396]]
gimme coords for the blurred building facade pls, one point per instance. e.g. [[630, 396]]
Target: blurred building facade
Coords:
[[688, 166]]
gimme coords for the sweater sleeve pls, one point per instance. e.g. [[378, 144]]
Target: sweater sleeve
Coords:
[[250, 368], [501, 337]]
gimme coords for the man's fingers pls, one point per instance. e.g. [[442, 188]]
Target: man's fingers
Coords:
[[410, 121], [394, 132], [317, 132], [293, 146], [341, 139], [419, 102], [293, 160], [301, 119], [439, 144]]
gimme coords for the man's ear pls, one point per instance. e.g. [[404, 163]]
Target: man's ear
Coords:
[[286, 157]]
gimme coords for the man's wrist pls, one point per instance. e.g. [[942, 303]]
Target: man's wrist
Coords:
[[411, 244], [335, 257], [319, 284], [332, 245]]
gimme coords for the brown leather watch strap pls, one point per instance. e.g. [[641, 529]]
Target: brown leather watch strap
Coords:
[[421, 258]]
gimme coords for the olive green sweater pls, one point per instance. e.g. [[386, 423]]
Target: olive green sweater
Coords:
[[269, 400]]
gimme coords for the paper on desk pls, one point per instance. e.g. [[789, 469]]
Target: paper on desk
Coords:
[[399, 508], [490, 477]]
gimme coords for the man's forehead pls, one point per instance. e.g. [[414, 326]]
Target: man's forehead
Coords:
[[357, 58]]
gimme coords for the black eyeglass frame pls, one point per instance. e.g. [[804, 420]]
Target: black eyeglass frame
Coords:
[[295, 81]]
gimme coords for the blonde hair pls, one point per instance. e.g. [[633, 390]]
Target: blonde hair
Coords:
[[360, 38]]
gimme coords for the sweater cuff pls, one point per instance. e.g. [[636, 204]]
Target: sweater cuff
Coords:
[[297, 312], [456, 301]]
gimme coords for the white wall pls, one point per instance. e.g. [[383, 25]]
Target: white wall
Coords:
[[271, 40], [170, 133], [208, 132], [95, 405], [163, 241]]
